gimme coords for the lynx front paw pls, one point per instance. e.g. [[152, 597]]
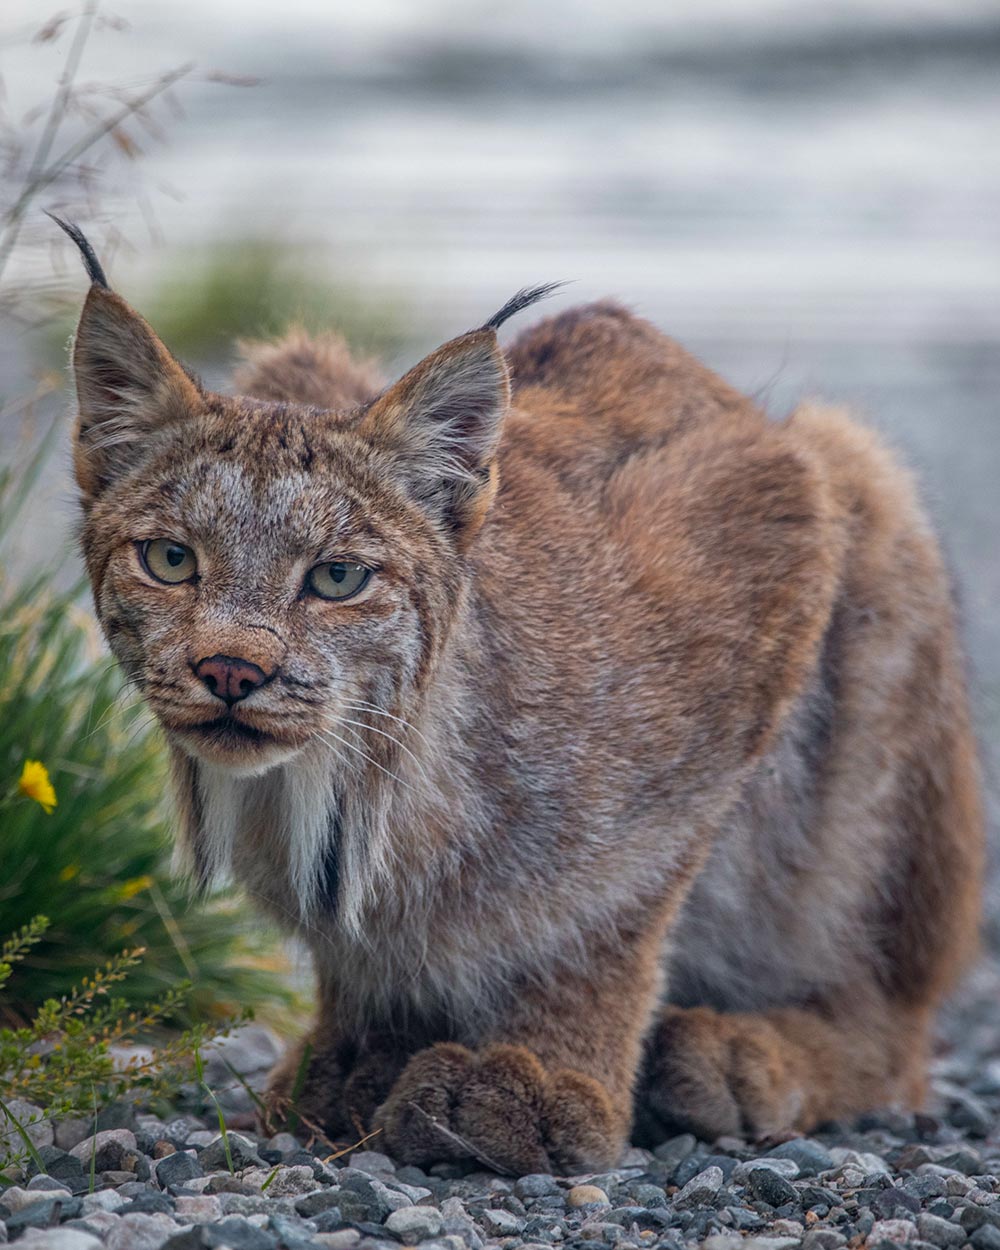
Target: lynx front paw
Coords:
[[334, 1092], [715, 1074], [501, 1107]]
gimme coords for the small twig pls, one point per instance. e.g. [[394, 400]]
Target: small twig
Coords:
[[57, 114], [465, 1146], [44, 177], [76, 150], [346, 1150], [317, 1131]]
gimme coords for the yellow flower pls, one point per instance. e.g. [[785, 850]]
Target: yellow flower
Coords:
[[35, 784], [136, 885]]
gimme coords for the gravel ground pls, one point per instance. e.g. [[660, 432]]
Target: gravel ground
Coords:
[[929, 1181]]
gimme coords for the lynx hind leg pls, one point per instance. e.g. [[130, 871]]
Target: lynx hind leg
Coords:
[[714, 1073]]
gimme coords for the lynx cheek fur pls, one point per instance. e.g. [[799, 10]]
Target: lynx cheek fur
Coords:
[[630, 785]]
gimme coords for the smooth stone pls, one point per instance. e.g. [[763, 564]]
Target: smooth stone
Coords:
[[319, 1200], [501, 1223], [152, 1202], [415, 1193], [199, 1210], [62, 1167], [116, 1178], [58, 1239], [100, 1223], [238, 1234], [44, 1182], [863, 1160], [133, 1189], [965, 1161], [372, 1161], [178, 1129], [72, 1130], [42, 1214], [412, 1224], [247, 1204], [771, 1243], [535, 1185], [177, 1169], [110, 1150], [342, 1239], [939, 1232], [103, 1200], [810, 1157], [224, 1183], [212, 1157], [894, 1203], [649, 1195], [898, 1231], [586, 1196], [16, 1198], [823, 1239], [140, 1232], [786, 1168], [252, 1050]]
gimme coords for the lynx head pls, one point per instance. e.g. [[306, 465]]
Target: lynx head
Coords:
[[264, 570]]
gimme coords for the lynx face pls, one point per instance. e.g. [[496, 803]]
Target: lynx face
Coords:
[[266, 573], [251, 652]]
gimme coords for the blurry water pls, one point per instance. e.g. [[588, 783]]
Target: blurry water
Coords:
[[808, 196]]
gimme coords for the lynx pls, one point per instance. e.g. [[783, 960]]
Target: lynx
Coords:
[[605, 739]]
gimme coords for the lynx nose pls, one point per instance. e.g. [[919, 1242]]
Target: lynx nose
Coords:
[[230, 678]]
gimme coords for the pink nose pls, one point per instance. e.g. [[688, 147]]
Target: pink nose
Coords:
[[229, 678]]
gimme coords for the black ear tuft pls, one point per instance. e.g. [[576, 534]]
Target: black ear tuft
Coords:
[[93, 265], [517, 303]]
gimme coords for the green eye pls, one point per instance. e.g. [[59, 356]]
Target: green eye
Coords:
[[339, 580], [168, 561]]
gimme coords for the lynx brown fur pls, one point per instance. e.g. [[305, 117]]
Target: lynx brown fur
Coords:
[[632, 789]]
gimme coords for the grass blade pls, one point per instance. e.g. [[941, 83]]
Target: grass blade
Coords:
[[22, 1132]]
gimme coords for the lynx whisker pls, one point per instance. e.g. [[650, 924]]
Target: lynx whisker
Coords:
[[382, 734], [328, 734], [359, 705]]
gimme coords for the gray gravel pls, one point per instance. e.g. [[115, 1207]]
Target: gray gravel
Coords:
[[929, 1181]]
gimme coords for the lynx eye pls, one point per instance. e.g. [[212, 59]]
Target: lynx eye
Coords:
[[338, 580], [168, 561]]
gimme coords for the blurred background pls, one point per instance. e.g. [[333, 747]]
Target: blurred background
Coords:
[[807, 196]]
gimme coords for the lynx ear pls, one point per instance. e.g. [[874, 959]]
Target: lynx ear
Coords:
[[442, 422], [128, 386]]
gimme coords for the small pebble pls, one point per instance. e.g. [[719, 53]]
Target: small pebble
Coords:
[[586, 1195]]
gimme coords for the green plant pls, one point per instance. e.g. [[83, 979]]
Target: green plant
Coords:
[[257, 288], [199, 1068], [63, 1060]]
